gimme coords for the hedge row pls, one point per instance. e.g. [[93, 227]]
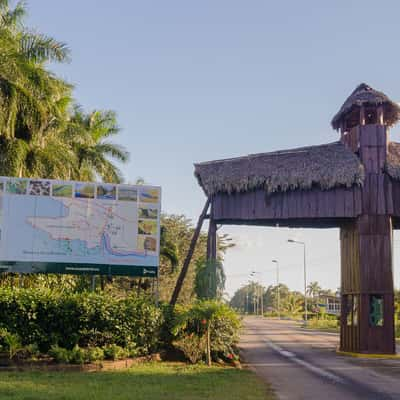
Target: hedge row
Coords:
[[47, 319]]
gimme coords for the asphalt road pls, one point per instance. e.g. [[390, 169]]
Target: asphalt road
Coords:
[[302, 364]]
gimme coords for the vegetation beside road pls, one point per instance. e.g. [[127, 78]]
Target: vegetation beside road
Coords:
[[143, 382], [247, 300], [87, 327]]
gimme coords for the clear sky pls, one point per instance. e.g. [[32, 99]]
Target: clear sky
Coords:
[[200, 80]]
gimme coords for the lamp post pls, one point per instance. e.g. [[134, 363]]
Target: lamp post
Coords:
[[253, 297], [278, 306], [305, 276], [260, 293]]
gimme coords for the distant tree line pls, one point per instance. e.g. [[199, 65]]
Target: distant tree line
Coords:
[[273, 299]]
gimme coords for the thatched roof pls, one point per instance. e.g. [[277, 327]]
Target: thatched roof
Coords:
[[364, 95], [325, 166], [393, 161]]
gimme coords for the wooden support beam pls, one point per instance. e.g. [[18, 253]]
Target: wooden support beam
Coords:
[[212, 256], [212, 238], [186, 263]]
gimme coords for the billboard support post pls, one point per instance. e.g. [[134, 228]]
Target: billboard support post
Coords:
[[157, 291]]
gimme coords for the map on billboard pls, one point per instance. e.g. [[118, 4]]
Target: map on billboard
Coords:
[[79, 227]]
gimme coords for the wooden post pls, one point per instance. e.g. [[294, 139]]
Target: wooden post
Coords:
[[208, 355], [186, 263], [212, 255], [212, 241]]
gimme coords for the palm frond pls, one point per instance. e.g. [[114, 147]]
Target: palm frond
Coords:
[[113, 150], [41, 48], [12, 18]]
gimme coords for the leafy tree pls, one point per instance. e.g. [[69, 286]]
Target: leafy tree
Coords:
[[168, 249], [293, 305], [32, 100], [313, 289], [178, 230], [41, 132], [88, 135], [210, 279], [247, 297]]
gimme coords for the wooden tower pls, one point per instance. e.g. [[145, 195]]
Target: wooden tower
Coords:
[[367, 319]]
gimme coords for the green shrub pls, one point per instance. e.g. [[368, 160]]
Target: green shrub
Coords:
[[203, 318], [115, 352], [87, 319], [10, 343], [323, 323], [30, 351], [132, 350], [94, 354], [192, 346], [60, 354], [78, 355]]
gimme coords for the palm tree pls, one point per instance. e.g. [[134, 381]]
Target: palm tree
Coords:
[[32, 100], [168, 249], [28, 92], [313, 289], [293, 304], [88, 136]]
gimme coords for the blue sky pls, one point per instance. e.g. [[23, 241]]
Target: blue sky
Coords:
[[199, 80]]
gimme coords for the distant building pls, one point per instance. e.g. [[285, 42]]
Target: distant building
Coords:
[[330, 304]]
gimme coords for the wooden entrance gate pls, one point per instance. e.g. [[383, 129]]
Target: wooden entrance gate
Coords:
[[352, 184]]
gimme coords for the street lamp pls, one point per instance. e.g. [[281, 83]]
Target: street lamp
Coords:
[[305, 276], [260, 294], [251, 275], [278, 308]]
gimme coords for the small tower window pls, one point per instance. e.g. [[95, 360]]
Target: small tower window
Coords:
[[370, 116]]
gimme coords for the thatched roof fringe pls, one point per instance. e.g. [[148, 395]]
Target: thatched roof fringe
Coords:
[[392, 166], [325, 166]]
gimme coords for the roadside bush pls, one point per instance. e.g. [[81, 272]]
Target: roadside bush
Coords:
[[86, 320], [209, 324], [10, 343], [323, 323], [78, 355], [94, 354], [192, 346], [115, 352], [30, 351], [60, 354]]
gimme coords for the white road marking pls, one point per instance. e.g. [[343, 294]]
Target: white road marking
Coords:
[[292, 357]]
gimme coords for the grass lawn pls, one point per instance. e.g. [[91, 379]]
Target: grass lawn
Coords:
[[158, 381]]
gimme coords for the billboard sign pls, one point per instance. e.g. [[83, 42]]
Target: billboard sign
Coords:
[[54, 226]]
